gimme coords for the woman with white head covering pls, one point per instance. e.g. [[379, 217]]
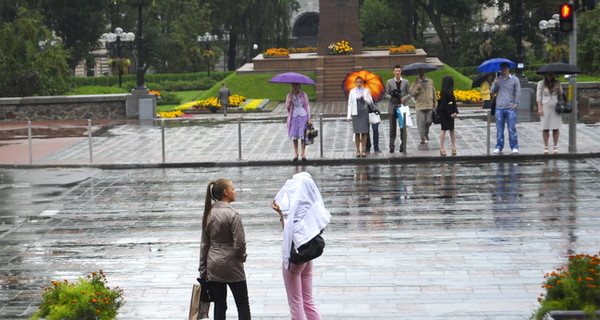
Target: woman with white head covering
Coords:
[[303, 216]]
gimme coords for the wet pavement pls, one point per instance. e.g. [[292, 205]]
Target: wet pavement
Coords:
[[469, 238]]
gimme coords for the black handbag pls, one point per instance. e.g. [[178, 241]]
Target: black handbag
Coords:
[[562, 106], [308, 251], [435, 116]]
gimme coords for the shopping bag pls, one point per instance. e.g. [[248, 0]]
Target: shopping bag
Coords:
[[198, 308], [406, 113]]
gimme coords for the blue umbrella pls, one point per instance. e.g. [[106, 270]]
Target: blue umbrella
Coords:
[[493, 65]]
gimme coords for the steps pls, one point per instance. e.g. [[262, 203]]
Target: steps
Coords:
[[330, 72]]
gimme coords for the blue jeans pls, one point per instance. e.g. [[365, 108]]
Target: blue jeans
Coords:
[[508, 116]]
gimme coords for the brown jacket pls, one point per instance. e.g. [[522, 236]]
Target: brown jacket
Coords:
[[223, 247]]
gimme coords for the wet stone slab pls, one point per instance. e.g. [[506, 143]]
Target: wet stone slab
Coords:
[[421, 241]]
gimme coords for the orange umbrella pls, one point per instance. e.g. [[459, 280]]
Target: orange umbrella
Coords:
[[372, 81]]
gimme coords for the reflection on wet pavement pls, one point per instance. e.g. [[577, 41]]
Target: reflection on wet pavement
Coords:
[[416, 241]]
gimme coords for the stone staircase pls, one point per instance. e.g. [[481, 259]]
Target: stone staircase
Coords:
[[330, 72]]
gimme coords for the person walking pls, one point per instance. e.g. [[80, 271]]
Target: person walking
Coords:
[[448, 112], [223, 249], [358, 112], [508, 88], [224, 94], [423, 90], [397, 88], [303, 216], [298, 117], [547, 95]]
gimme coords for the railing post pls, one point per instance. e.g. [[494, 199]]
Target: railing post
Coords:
[[403, 133], [162, 134], [29, 138], [321, 133], [489, 119], [90, 140], [239, 138]]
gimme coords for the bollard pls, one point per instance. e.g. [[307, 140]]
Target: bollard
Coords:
[[29, 138], [489, 119], [90, 139], [403, 132], [162, 134], [239, 138], [321, 133]]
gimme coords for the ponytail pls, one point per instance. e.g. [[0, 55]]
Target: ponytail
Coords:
[[214, 192]]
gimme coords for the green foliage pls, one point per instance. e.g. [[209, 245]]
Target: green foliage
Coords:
[[576, 287], [168, 98], [96, 90], [588, 47], [88, 299], [25, 70]]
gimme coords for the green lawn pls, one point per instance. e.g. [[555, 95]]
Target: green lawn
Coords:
[[186, 96]]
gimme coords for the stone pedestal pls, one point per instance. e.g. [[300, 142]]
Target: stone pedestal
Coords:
[[141, 105], [338, 20]]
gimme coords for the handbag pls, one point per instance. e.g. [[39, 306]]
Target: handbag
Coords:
[[308, 251], [405, 112], [198, 306], [435, 116], [563, 106], [374, 118], [310, 133]]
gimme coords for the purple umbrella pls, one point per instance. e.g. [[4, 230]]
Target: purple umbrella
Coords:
[[291, 77]]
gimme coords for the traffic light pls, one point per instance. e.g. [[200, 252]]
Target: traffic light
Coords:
[[566, 17]]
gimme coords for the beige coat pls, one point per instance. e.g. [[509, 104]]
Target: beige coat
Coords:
[[223, 248], [425, 96]]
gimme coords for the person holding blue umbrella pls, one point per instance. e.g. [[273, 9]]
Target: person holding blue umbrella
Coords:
[[508, 88]]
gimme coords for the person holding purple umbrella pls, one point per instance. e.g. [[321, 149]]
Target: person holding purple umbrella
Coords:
[[298, 117]]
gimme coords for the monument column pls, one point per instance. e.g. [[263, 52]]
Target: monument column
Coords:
[[338, 20]]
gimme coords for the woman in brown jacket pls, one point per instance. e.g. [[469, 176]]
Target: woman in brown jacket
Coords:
[[223, 249]]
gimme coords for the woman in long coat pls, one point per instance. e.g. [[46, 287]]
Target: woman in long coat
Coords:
[[547, 93], [223, 249]]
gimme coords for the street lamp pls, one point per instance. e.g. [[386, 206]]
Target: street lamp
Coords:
[[118, 37], [207, 38], [552, 24]]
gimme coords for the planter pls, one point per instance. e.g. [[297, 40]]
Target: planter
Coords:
[[571, 315], [276, 57], [406, 52]]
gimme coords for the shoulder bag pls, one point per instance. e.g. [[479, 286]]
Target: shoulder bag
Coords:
[[308, 251], [563, 106]]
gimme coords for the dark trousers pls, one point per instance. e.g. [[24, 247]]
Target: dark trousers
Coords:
[[393, 129], [375, 128], [240, 295]]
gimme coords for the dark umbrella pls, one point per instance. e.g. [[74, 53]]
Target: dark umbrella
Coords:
[[493, 65], [559, 67], [480, 78], [413, 68], [291, 77]]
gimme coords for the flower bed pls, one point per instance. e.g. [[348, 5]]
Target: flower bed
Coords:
[[276, 53], [465, 96], [340, 48], [403, 49]]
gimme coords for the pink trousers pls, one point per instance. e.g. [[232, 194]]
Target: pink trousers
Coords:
[[298, 285]]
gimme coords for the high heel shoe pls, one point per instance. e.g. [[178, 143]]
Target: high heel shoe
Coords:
[[442, 152], [545, 149], [453, 151], [555, 149]]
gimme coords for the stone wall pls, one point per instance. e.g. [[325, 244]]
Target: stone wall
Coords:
[[56, 108]]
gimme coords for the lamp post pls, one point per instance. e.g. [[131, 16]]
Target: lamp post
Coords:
[[118, 37], [553, 25], [207, 38]]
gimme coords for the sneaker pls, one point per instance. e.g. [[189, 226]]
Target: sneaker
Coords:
[[497, 151], [515, 151]]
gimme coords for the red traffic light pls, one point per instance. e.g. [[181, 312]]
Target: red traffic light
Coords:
[[566, 11]]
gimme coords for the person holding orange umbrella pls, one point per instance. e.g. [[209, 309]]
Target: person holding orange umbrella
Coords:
[[359, 99]]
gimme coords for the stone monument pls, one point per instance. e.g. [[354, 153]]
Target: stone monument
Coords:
[[338, 20]]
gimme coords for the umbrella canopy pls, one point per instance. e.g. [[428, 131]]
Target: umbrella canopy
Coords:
[[493, 65], [413, 68], [291, 77], [480, 78], [372, 81], [559, 67]]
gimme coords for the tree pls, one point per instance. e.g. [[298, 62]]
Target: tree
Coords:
[[588, 46], [25, 70], [384, 22], [79, 23]]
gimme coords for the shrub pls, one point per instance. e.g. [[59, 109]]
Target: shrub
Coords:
[[88, 299]]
